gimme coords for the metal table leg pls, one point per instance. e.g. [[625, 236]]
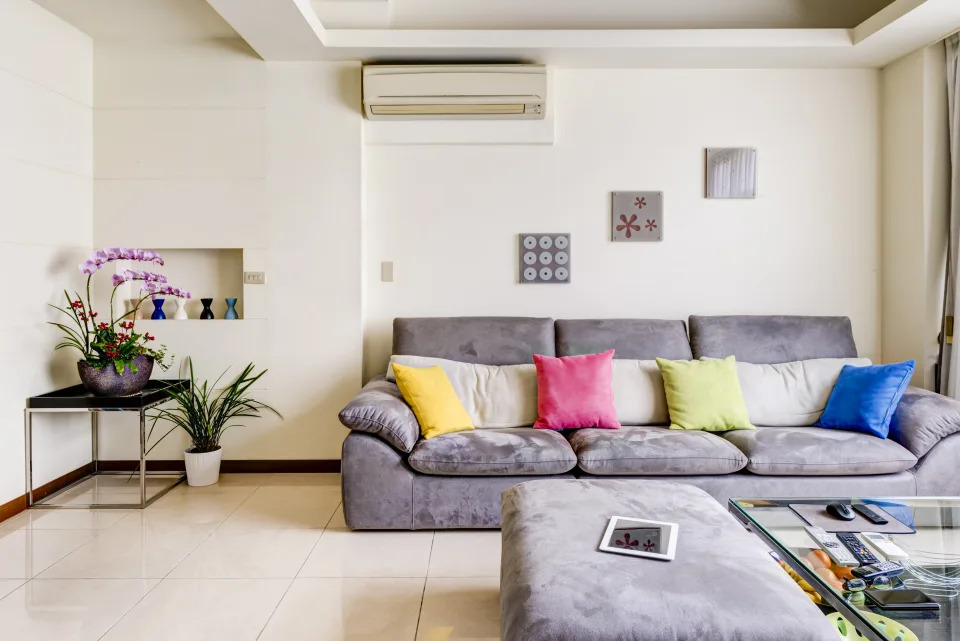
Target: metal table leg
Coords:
[[143, 459], [28, 447]]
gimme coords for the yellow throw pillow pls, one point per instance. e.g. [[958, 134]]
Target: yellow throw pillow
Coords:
[[430, 394], [704, 395]]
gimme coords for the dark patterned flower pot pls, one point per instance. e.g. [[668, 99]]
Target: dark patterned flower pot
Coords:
[[106, 381]]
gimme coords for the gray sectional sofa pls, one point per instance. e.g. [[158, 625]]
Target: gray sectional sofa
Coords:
[[393, 479]]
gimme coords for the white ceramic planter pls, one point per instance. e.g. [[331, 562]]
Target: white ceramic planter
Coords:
[[204, 468]]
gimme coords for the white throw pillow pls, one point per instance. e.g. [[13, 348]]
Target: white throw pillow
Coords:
[[506, 395], [638, 393], [493, 395], [790, 394]]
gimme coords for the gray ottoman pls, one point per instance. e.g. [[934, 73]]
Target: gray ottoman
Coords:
[[723, 585]]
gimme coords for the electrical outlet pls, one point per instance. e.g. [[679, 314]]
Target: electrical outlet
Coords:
[[254, 278]]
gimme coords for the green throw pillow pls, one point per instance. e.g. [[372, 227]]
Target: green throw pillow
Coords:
[[704, 395]]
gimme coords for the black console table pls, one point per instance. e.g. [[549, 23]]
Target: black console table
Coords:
[[77, 399]]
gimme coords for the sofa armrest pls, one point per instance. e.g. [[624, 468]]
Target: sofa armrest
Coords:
[[379, 409], [923, 419]]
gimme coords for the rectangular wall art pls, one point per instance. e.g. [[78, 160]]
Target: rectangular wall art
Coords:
[[544, 258], [731, 172], [637, 216]]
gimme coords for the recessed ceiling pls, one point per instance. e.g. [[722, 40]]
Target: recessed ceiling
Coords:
[[152, 20], [595, 14]]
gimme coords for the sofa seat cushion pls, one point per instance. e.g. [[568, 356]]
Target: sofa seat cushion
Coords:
[[654, 451], [494, 452], [814, 451]]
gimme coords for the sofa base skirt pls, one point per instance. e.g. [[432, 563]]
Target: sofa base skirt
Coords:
[[382, 492]]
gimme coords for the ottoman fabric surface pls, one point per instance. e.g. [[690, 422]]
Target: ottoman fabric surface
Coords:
[[722, 586]]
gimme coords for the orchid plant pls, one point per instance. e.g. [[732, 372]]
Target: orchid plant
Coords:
[[117, 343]]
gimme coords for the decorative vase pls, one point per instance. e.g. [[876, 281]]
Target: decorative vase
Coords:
[[158, 310], [203, 468], [207, 313], [181, 313], [231, 310], [106, 382], [132, 307]]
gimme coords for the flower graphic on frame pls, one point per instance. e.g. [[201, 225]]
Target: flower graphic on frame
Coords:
[[640, 202], [627, 542], [628, 226], [648, 546], [650, 224]]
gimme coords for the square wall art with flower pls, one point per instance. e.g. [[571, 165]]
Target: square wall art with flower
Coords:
[[637, 216]]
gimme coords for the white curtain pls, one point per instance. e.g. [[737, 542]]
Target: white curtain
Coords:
[[950, 384]]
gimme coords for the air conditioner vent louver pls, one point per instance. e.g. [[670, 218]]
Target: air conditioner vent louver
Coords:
[[409, 92]]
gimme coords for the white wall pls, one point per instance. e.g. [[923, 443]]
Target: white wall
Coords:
[[448, 215], [204, 145], [45, 227], [915, 205]]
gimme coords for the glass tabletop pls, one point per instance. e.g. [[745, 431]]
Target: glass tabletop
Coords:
[[932, 566]]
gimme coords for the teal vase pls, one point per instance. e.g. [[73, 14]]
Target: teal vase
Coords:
[[231, 309]]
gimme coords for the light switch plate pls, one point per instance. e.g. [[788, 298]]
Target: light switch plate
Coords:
[[254, 278], [386, 271]]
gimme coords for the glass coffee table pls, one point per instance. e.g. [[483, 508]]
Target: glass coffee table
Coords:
[[933, 565]]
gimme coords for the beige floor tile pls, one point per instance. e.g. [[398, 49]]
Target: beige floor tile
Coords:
[[294, 480], [337, 521], [183, 509], [342, 553], [129, 551], [465, 554], [9, 585], [26, 553], [201, 610], [249, 554], [461, 610], [299, 507], [68, 610], [45, 519], [347, 609]]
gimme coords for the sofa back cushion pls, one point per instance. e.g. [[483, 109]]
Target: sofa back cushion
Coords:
[[631, 338], [506, 395], [790, 394], [489, 340], [772, 339]]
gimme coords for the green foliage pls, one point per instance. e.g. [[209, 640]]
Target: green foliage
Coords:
[[205, 414]]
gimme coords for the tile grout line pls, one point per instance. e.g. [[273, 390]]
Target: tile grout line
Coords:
[[423, 593], [299, 570], [192, 550]]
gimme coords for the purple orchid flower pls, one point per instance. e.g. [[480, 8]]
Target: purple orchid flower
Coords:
[[156, 289], [101, 257], [137, 274]]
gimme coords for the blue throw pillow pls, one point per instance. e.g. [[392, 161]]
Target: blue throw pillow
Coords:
[[864, 398]]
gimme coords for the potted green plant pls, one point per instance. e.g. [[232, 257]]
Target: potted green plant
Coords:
[[205, 411]]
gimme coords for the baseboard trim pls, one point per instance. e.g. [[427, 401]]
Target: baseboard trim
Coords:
[[262, 466], [19, 504]]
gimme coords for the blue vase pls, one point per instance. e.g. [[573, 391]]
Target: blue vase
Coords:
[[231, 310], [158, 310]]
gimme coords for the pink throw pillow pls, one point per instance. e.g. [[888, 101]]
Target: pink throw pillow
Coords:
[[575, 391]]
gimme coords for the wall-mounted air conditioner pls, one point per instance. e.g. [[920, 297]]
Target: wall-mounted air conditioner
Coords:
[[478, 92]]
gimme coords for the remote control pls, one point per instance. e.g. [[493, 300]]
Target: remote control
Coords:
[[871, 515], [855, 545], [883, 568], [829, 543], [884, 546]]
